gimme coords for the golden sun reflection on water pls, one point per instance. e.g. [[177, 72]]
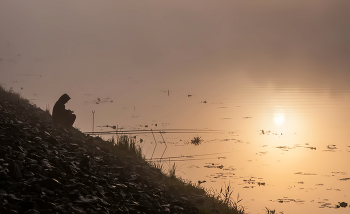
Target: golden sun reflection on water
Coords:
[[278, 119]]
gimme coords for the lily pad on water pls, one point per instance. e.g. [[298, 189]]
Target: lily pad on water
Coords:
[[196, 141], [342, 204]]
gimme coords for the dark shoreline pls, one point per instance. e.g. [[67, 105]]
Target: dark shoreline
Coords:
[[48, 169]]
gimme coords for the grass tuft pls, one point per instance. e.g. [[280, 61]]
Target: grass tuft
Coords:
[[268, 211], [12, 95], [157, 164], [172, 171], [224, 199], [47, 109], [127, 144]]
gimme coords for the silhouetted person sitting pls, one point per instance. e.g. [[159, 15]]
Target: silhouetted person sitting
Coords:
[[61, 115]]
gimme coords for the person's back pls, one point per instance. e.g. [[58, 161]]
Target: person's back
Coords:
[[62, 116]]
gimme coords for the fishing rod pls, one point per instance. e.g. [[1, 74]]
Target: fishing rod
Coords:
[[172, 131], [164, 159], [156, 130], [130, 133]]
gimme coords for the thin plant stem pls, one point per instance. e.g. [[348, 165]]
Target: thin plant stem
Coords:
[[166, 146], [155, 145]]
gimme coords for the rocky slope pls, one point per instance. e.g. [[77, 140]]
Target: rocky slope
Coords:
[[47, 169]]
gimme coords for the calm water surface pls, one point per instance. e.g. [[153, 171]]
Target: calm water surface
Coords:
[[282, 148]]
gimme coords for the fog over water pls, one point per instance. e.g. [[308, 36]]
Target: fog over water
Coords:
[[272, 76]]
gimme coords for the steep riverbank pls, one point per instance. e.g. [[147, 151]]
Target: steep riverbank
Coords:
[[47, 169]]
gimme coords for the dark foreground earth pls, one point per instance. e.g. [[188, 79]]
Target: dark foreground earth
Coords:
[[47, 169]]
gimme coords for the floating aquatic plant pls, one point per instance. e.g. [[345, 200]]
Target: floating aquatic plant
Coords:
[[196, 141]]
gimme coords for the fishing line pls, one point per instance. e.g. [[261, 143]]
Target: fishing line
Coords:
[[190, 156]]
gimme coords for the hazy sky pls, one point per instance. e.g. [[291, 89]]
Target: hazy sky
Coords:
[[287, 42]]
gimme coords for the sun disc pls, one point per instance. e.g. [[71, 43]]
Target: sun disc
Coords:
[[278, 119]]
